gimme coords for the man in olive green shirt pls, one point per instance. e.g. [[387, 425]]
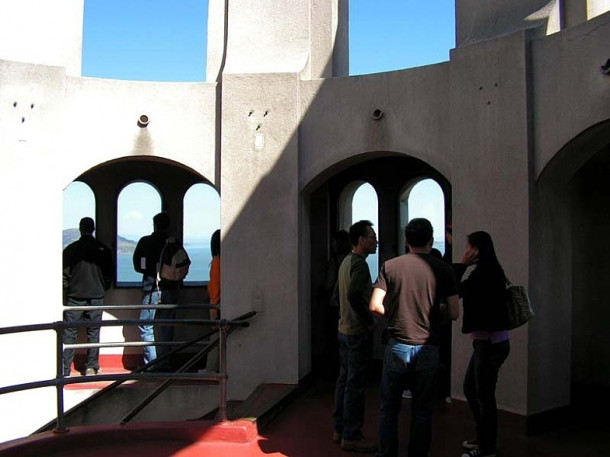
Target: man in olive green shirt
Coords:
[[355, 339]]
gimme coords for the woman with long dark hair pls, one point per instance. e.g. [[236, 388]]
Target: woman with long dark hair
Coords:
[[484, 301]]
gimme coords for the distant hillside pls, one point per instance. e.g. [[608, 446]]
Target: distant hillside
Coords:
[[125, 246]]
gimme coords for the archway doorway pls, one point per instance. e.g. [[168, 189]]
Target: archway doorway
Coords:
[[168, 182], [569, 340], [330, 210]]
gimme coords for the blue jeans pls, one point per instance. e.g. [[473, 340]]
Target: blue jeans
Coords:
[[150, 296], [355, 353], [407, 367], [480, 389]]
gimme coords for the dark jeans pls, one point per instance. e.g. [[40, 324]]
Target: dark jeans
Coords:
[[165, 333], [93, 332], [407, 367], [480, 389], [354, 356]]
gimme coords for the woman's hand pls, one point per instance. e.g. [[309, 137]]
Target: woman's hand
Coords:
[[471, 255]]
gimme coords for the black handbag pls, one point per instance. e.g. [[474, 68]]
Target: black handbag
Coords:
[[518, 307]]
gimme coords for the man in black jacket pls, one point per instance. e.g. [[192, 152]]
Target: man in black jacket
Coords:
[[156, 290], [87, 274]]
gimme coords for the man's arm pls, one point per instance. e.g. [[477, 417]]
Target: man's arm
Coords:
[[376, 304], [107, 268], [137, 258], [359, 290], [453, 307]]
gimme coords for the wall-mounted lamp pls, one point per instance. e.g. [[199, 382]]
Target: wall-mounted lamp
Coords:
[[377, 114], [605, 68], [143, 121]]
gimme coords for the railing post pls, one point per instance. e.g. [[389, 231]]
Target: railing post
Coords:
[[222, 365], [59, 334]]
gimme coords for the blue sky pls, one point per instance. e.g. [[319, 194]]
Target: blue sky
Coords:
[[160, 40], [166, 40]]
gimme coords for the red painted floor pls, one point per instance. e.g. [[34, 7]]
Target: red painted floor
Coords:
[[304, 429]]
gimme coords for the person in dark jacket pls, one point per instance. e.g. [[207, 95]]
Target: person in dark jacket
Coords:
[[87, 273], [484, 300], [146, 257]]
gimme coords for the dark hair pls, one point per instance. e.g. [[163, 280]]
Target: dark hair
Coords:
[[341, 237], [357, 230], [86, 225], [418, 232], [483, 242], [161, 221], [215, 243]]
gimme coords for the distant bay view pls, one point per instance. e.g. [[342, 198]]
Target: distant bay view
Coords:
[[198, 251], [199, 270]]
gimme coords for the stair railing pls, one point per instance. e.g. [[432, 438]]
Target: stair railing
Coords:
[[224, 327]]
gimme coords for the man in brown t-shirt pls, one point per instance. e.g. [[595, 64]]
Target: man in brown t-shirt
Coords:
[[411, 292]]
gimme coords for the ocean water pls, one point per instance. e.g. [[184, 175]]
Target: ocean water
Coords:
[[200, 266], [198, 271]]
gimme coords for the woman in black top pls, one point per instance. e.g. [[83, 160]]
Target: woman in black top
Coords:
[[484, 300]]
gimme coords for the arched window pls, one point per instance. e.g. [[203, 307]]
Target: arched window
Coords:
[[201, 219], [424, 199], [78, 202], [137, 205], [358, 201]]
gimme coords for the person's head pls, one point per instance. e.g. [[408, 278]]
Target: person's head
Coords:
[[215, 243], [363, 238], [86, 226], [341, 242], [482, 242], [418, 233], [161, 222]]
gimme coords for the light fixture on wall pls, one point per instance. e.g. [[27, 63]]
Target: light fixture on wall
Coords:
[[377, 114], [143, 121]]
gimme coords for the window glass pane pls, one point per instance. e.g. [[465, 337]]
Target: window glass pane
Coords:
[[138, 203], [425, 199], [78, 202], [364, 206], [201, 219]]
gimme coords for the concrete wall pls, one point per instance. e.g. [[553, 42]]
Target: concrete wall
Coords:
[[571, 94], [43, 32], [101, 117], [259, 220], [479, 20], [337, 121], [489, 138], [308, 37]]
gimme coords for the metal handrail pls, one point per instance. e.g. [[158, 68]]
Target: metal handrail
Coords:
[[224, 327]]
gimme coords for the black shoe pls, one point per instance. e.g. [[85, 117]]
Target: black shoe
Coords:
[[477, 453], [359, 445]]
